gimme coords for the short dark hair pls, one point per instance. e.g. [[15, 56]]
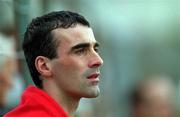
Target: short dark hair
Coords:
[[38, 39]]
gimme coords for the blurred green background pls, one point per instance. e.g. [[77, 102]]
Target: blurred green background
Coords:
[[138, 38]]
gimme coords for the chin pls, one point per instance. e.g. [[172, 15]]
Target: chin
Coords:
[[92, 94]]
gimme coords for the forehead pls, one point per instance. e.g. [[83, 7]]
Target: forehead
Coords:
[[74, 35]]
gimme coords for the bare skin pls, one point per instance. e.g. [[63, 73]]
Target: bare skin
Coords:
[[75, 72]]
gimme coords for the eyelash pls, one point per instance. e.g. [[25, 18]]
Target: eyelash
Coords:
[[96, 49], [80, 51], [85, 50]]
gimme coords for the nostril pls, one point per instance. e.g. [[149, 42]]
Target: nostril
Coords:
[[96, 63]]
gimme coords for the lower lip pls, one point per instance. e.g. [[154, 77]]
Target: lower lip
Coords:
[[94, 81]]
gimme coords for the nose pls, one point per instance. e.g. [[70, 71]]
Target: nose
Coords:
[[95, 61]]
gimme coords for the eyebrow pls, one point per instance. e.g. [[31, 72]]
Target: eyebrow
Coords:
[[83, 45], [96, 44]]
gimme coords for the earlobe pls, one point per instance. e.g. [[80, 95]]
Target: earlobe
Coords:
[[42, 66]]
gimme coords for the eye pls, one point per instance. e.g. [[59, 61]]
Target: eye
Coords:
[[96, 49], [81, 51]]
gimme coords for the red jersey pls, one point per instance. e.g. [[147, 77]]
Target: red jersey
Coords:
[[37, 103]]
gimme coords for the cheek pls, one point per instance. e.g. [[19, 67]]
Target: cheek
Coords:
[[68, 74], [69, 67], [74, 64]]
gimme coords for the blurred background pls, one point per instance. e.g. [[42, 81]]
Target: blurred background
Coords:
[[140, 40]]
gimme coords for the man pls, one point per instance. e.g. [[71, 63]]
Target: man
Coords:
[[7, 69], [62, 55], [153, 98]]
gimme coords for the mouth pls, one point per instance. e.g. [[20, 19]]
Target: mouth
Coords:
[[93, 76]]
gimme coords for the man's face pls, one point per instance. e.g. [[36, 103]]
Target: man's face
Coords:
[[76, 69]]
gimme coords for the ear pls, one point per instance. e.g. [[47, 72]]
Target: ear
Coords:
[[43, 66]]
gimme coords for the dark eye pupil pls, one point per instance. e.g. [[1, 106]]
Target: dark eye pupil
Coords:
[[96, 49]]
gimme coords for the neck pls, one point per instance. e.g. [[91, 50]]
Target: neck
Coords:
[[67, 102], [69, 105]]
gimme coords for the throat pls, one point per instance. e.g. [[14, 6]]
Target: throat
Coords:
[[70, 106], [68, 102]]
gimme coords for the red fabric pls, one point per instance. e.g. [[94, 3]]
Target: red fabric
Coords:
[[37, 103]]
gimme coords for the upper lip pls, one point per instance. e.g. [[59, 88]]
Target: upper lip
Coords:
[[93, 75]]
